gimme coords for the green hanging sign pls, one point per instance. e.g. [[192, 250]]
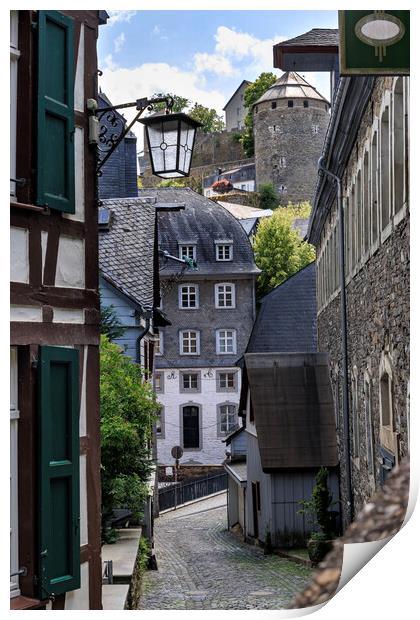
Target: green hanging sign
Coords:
[[374, 42]]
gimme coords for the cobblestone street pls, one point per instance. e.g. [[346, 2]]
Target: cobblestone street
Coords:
[[202, 566]]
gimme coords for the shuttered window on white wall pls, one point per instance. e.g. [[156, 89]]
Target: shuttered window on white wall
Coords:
[[14, 57], [14, 417]]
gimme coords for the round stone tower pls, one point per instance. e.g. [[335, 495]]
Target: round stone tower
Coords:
[[290, 122]]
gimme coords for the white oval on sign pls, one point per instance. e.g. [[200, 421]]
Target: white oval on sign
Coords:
[[380, 30]]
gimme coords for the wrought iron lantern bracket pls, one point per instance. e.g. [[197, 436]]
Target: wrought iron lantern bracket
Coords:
[[107, 128]]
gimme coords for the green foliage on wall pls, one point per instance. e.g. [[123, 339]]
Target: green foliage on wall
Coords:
[[128, 409], [252, 93], [279, 250]]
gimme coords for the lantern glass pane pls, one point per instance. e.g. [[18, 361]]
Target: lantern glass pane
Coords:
[[155, 133]]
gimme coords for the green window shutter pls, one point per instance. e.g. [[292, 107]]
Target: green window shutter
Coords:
[[59, 482], [55, 112]]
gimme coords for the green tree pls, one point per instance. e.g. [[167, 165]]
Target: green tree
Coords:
[[111, 325], [279, 250], [252, 93], [128, 409], [191, 182], [208, 117], [180, 103], [267, 196]]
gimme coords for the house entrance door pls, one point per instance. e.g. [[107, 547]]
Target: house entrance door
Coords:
[[191, 427]]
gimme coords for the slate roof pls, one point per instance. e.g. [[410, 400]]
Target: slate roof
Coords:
[[127, 249], [201, 222], [246, 82], [291, 85], [244, 212], [286, 320], [316, 36]]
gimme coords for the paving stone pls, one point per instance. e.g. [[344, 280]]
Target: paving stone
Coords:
[[203, 566]]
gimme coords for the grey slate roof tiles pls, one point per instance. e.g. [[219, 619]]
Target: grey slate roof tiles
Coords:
[[126, 250], [316, 36], [286, 320], [291, 85], [201, 222]]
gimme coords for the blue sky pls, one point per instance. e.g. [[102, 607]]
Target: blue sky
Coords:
[[203, 55]]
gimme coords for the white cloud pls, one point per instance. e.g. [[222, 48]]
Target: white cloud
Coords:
[[122, 85], [214, 63], [119, 16], [232, 47], [119, 42]]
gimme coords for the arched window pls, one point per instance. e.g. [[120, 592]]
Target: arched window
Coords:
[[387, 436], [398, 134], [384, 174], [370, 441], [355, 414]]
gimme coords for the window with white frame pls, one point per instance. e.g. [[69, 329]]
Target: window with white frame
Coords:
[[159, 380], [225, 295], [14, 57], [188, 296], [366, 203], [14, 418], [384, 170], [315, 129], [159, 343], [224, 251], [160, 422], [359, 215], [226, 341], [374, 187], [355, 415], [226, 381], [398, 143], [189, 342], [228, 418], [370, 451], [282, 162], [190, 382], [187, 250]]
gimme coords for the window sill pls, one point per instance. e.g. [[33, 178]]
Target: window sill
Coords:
[[27, 207], [24, 602]]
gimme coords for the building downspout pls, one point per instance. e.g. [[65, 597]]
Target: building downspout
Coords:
[[147, 317], [344, 347]]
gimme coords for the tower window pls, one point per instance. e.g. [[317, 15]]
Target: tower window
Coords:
[[306, 104], [273, 105], [290, 103]]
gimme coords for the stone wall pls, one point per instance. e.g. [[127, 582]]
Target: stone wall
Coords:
[[248, 199], [211, 151], [378, 324], [288, 144], [378, 321]]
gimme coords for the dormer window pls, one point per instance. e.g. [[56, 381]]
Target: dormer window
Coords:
[[224, 250], [188, 250]]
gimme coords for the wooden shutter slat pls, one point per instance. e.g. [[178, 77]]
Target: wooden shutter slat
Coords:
[[55, 112], [59, 483]]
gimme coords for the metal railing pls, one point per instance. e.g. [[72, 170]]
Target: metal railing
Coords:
[[187, 490]]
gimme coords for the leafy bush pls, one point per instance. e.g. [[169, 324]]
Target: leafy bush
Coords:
[[279, 250], [128, 410], [267, 196]]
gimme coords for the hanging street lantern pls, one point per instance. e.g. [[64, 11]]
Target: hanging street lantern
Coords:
[[170, 140], [170, 137]]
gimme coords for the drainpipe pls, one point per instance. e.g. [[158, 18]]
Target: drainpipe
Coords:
[[344, 349], [148, 317]]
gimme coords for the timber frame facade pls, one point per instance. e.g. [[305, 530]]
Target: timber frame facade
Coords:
[[55, 455]]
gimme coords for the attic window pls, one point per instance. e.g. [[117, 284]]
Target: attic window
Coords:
[[224, 250], [187, 250], [290, 103]]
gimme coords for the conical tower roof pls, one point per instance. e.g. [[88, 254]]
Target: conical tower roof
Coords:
[[291, 85]]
